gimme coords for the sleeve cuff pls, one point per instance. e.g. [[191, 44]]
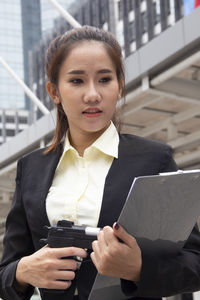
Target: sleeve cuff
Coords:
[[8, 290], [128, 287]]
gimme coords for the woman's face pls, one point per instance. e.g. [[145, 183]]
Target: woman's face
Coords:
[[88, 88]]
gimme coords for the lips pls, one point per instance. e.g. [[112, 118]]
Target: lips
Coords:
[[92, 111]]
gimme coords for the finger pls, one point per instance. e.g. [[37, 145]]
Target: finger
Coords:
[[96, 250], [63, 275], [109, 235], [101, 240], [66, 264], [123, 235], [94, 259], [58, 285], [68, 251]]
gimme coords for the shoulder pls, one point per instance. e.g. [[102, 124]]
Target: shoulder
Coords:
[[39, 154], [140, 144], [38, 160], [32, 158], [149, 154]]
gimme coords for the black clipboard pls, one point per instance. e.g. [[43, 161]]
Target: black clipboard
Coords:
[[163, 207]]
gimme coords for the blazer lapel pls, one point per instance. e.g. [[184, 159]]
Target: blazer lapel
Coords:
[[117, 185], [36, 190], [47, 176]]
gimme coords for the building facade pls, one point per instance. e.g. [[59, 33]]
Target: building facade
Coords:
[[31, 35], [20, 29], [22, 24], [11, 50], [49, 14]]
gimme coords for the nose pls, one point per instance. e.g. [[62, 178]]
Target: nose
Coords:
[[91, 94]]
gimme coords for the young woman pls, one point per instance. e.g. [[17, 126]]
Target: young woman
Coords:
[[84, 176]]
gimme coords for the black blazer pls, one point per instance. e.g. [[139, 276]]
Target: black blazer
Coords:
[[164, 273]]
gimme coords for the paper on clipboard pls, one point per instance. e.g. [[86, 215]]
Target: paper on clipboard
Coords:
[[157, 208]]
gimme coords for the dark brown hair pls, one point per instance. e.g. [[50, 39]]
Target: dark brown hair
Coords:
[[57, 52]]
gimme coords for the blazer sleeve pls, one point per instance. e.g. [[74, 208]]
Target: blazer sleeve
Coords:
[[165, 270], [17, 244]]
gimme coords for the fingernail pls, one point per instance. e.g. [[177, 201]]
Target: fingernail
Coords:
[[116, 226]]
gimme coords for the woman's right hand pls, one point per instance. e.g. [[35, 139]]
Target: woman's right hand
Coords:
[[46, 268]]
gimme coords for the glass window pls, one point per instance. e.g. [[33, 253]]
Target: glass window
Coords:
[[10, 132], [22, 120], [10, 119]]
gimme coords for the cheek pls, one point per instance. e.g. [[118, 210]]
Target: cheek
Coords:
[[112, 104], [68, 99], [71, 109], [66, 107], [114, 95], [116, 90]]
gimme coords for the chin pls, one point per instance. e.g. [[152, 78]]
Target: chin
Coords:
[[99, 128]]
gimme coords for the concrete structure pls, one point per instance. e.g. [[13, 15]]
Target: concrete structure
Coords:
[[12, 121]]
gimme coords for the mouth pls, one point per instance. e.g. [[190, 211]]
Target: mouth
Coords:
[[92, 112]]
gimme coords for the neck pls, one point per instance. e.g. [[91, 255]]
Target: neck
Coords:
[[82, 141]]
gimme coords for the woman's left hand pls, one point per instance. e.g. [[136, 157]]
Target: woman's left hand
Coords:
[[117, 258]]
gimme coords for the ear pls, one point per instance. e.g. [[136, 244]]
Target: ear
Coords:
[[53, 92]]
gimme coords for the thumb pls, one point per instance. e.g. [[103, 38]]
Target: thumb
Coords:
[[123, 235]]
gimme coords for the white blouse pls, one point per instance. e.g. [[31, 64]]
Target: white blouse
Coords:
[[77, 189]]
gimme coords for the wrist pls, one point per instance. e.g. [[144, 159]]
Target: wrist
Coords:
[[136, 273], [20, 283]]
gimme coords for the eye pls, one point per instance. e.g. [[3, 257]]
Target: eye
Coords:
[[76, 81], [105, 79]]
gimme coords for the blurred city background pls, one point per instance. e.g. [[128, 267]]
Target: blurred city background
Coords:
[[161, 48]]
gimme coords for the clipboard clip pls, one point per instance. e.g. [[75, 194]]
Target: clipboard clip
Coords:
[[179, 172]]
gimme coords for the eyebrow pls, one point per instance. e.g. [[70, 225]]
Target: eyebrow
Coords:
[[102, 71]]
